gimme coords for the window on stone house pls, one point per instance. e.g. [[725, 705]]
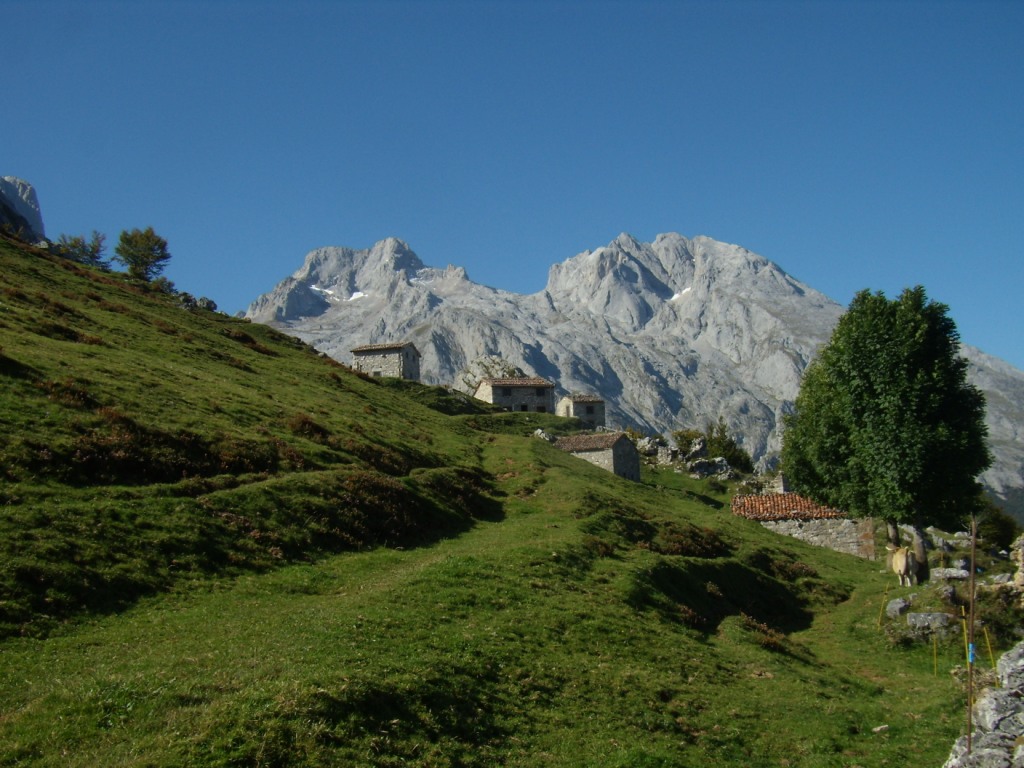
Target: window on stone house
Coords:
[[590, 410], [524, 407], [540, 391], [506, 391]]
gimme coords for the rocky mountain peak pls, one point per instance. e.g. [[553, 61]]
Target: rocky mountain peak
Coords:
[[671, 334]]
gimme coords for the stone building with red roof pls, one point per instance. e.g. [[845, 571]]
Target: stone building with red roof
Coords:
[[793, 515]]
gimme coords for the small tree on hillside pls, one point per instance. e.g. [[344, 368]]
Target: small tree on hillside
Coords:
[[886, 424], [77, 248], [721, 443], [143, 252]]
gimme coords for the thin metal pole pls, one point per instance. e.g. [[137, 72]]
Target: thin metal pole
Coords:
[[970, 631]]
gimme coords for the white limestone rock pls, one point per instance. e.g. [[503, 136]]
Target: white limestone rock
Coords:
[[20, 196]]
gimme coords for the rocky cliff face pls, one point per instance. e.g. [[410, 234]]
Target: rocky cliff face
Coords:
[[672, 334], [19, 209]]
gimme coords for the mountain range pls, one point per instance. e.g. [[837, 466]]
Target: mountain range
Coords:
[[672, 334]]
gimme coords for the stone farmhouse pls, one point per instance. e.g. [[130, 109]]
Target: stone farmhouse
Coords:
[[612, 451], [520, 394], [793, 515], [587, 408], [400, 360]]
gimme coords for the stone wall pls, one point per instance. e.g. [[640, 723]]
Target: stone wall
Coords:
[[998, 720], [627, 460], [854, 537]]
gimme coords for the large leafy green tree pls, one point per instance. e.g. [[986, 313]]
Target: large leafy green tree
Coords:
[[886, 424], [143, 252]]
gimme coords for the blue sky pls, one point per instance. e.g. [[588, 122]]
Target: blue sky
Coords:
[[858, 145]]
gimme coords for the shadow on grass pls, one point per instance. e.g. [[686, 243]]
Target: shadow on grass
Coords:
[[15, 370], [704, 593], [454, 717]]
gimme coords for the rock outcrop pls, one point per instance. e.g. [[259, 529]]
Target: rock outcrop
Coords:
[[19, 210]]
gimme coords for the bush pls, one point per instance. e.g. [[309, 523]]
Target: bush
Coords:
[[719, 443], [995, 527]]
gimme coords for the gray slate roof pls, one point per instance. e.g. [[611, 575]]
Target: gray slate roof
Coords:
[[602, 441], [395, 346]]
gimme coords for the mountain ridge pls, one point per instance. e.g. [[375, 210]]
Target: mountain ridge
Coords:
[[673, 333]]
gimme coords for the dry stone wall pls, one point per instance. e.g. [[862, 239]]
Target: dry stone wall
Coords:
[[998, 719], [854, 537]]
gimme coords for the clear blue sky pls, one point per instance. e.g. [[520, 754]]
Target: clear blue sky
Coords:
[[857, 144]]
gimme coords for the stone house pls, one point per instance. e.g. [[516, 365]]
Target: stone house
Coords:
[[518, 394], [587, 408], [793, 515], [400, 360], [613, 451]]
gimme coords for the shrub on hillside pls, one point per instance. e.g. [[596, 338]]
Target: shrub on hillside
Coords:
[[995, 527], [719, 443]]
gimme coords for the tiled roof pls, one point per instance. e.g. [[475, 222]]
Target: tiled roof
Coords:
[[384, 347], [585, 398], [781, 506], [602, 441], [520, 382]]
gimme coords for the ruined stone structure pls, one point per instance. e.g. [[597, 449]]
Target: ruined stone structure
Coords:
[[613, 451], [587, 408], [520, 394], [401, 360], [793, 515]]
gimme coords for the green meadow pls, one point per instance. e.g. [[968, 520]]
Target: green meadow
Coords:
[[219, 548]]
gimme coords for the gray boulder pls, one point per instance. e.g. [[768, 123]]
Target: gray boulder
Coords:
[[647, 446], [717, 467], [897, 607], [698, 449], [929, 622]]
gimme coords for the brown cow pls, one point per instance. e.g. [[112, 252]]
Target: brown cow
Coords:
[[904, 564]]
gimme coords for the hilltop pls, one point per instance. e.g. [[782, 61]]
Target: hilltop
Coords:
[[219, 547]]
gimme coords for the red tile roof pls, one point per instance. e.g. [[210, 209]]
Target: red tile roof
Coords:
[[781, 506]]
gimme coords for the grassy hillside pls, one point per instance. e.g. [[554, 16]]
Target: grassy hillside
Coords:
[[219, 548]]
